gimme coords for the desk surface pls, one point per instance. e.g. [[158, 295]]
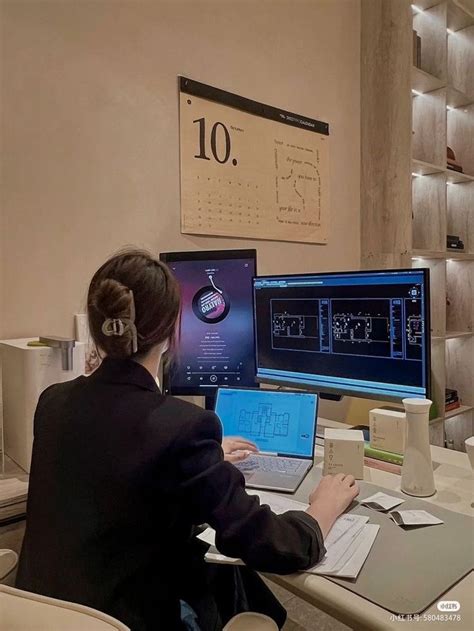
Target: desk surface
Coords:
[[454, 484]]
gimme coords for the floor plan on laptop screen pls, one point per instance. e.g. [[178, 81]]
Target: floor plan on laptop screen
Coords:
[[281, 422]]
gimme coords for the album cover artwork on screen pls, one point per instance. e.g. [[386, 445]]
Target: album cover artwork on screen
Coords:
[[216, 345]]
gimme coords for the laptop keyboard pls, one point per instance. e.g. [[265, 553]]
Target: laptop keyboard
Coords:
[[271, 464]]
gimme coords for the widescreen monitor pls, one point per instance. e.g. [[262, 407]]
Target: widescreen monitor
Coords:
[[361, 333], [216, 346]]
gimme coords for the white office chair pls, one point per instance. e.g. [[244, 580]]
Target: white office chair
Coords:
[[24, 611], [251, 621], [8, 563]]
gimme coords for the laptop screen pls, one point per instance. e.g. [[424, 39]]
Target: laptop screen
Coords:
[[277, 421]]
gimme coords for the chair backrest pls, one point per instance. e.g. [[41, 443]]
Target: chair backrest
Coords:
[[8, 564], [25, 611]]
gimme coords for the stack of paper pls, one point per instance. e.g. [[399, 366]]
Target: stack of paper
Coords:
[[12, 491], [347, 545], [13, 494]]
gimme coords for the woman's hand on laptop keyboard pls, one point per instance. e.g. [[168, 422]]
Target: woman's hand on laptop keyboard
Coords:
[[331, 498], [237, 449]]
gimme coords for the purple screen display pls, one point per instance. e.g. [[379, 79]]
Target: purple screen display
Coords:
[[217, 335]]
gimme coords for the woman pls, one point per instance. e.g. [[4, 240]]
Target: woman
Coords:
[[121, 475]]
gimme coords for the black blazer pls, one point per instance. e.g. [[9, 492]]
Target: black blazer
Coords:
[[119, 476]]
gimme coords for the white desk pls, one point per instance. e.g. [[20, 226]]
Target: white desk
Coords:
[[454, 484]]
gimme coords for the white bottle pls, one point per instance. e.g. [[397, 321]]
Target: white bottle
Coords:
[[417, 470]]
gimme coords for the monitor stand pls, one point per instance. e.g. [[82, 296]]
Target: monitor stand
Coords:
[[210, 402], [329, 396]]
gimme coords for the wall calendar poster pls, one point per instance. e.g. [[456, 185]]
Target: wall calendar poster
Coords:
[[251, 170]]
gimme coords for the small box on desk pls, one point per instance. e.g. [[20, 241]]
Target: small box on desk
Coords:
[[387, 430], [344, 452]]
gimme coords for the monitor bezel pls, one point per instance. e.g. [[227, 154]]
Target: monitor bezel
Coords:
[[279, 391], [206, 255], [337, 390]]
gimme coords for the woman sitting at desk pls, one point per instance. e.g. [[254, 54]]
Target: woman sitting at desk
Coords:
[[120, 475]]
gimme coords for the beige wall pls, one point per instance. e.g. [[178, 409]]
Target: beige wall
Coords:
[[90, 131]]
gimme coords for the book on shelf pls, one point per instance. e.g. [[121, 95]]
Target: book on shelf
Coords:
[[452, 406], [455, 243], [416, 49], [452, 163], [451, 400], [450, 395]]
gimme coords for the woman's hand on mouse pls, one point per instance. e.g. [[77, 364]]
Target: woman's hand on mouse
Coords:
[[237, 449]]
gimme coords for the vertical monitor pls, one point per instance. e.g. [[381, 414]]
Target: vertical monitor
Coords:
[[361, 333], [216, 346]]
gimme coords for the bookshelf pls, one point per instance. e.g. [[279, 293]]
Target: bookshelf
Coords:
[[427, 109]]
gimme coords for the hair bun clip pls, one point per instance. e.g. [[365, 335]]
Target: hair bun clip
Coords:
[[118, 326], [113, 327]]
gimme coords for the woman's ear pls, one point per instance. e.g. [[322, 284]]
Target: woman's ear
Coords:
[[166, 345]]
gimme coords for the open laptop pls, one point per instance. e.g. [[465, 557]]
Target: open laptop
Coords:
[[283, 426]]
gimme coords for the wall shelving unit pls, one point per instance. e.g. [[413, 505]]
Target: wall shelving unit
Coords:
[[421, 200]]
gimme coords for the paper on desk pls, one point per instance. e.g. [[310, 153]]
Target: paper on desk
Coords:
[[352, 561], [382, 501], [414, 518], [340, 541]]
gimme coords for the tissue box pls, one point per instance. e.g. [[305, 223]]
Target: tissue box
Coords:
[[387, 430], [344, 452]]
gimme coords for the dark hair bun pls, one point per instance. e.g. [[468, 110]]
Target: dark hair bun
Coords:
[[112, 300], [150, 314]]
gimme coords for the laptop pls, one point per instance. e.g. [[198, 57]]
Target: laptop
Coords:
[[281, 423]]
